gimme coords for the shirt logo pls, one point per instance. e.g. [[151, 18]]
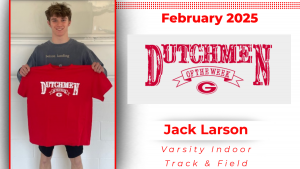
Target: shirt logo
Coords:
[[59, 56], [60, 88]]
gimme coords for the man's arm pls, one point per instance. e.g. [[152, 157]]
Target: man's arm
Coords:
[[91, 59], [97, 67], [24, 70], [19, 76]]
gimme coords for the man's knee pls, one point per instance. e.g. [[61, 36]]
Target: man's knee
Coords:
[[45, 159], [45, 162], [76, 161]]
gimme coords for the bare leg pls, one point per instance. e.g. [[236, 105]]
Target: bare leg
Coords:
[[45, 162], [76, 163]]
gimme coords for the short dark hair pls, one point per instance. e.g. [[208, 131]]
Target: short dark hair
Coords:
[[59, 10]]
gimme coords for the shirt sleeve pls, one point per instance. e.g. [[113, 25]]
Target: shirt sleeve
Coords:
[[90, 58], [31, 63], [23, 89], [101, 85]]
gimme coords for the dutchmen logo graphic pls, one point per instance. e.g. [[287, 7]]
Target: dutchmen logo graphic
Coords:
[[59, 88], [222, 54]]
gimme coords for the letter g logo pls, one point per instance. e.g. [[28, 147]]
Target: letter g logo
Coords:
[[207, 87]]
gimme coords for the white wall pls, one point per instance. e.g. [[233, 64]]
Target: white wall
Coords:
[[29, 29]]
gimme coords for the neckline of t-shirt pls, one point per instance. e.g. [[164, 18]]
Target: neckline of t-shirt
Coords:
[[61, 44], [55, 67]]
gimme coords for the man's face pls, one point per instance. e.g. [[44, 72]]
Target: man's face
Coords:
[[59, 25]]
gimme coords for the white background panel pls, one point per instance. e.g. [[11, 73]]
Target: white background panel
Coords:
[[168, 89]]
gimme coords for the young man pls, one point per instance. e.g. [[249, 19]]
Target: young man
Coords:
[[61, 50]]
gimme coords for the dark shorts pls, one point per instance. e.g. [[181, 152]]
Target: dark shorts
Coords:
[[73, 151]]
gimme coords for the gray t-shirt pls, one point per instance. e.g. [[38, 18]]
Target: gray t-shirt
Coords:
[[71, 52]]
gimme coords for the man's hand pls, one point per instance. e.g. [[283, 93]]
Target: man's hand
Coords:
[[97, 67], [24, 70]]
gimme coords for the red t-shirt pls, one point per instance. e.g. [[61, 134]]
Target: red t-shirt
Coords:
[[59, 103]]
